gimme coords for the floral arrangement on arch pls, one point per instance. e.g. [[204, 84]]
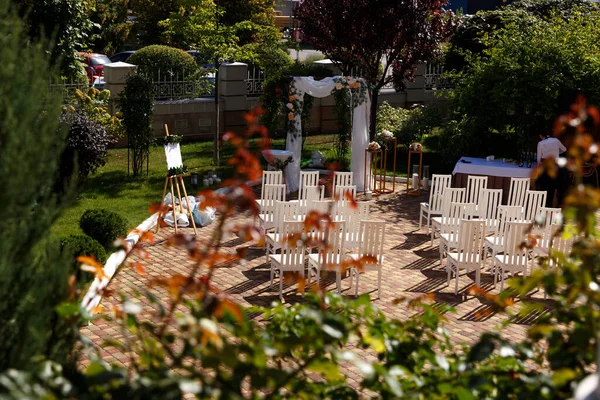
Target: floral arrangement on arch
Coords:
[[358, 88], [293, 108], [373, 146]]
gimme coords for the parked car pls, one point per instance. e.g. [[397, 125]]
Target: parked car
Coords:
[[122, 56], [201, 59], [94, 65]]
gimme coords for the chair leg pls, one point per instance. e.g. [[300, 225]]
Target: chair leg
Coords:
[[338, 279], [441, 252], [478, 277], [281, 284], [356, 273], [421, 218], [456, 281], [378, 282], [428, 222]]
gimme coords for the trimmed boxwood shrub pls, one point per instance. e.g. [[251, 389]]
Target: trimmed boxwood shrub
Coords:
[[103, 225], [82, 245], [168, 60]]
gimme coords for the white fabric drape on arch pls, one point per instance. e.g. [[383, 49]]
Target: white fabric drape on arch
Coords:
[[360, 131]]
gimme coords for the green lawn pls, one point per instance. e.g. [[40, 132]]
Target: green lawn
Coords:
[[111, 188]]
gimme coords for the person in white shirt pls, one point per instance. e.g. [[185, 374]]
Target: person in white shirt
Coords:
[[551, 147]]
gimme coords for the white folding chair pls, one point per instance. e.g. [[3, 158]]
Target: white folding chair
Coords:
[[292, 254], [341, 192], [514, 258], [518, 191], [534, 201], [311, 194], [475, 184], [353, 232], [329, 258], [469, 250], [322, 206], [495, 244], [547, 222], [307, 179], [284, 211], [272, 193], [373, 234], [451, 195], [342, 207], [487, 210], [450, 225], [341, 179], [269, 178], [434, 206]]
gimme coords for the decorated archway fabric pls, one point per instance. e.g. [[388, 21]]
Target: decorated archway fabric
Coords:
[[359, 101]]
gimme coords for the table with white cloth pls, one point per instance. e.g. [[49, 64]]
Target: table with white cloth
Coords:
[[499, 174]]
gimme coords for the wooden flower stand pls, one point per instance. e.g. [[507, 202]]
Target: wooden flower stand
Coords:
[[414, 191], [383, 171], [371, 167]]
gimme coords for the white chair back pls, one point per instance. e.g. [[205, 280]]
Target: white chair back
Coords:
[[341, 191], [548, 221], [292, 249], [271, 194], [354, 218], [535, 200], [518, 191], [307, 179], [373, 237], [508, 214], [270, 178], [341, 179], [285, 211], [321, 206], [335, 237], [475, 184], [487, 210], [471, 240], [514, 254], [450, 196], [311, 193], [438, 184], [456, 212]]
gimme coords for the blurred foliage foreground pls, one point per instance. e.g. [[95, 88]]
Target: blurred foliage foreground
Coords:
[[216, 351]]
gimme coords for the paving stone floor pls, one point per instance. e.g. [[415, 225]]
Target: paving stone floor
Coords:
[[411, 268]]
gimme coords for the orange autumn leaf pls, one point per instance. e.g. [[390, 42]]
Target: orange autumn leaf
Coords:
[[232, 308], [89, 264]]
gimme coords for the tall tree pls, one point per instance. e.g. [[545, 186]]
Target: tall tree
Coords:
[[66, 22], [364, 34], [112, 27], [33, 275], [225, 30]]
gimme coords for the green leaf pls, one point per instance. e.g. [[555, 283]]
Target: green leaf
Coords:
[[95, 368], [482, 349], [68, 309], [563, 376], [464, 394], [327, 368]]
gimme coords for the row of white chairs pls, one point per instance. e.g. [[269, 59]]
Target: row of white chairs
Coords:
[[474, 193], [361, 236], [472, 246], [307, 179]]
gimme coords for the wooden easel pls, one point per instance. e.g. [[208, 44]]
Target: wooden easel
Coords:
[[178, 179]]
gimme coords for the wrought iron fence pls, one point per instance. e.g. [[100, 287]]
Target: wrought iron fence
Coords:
[[173, 85], [434, 79], [66, 89], [254, 81]]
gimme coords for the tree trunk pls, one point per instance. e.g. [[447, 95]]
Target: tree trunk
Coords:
[[373, 120], [218, 114]]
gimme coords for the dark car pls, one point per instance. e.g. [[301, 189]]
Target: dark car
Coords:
[[122, 56], [201, 59], [94, 64]]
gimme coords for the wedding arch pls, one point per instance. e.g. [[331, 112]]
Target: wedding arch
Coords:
[[357, 90]]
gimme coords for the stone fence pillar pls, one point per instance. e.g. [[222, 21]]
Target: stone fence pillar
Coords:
[[115, 78], [232, 89]]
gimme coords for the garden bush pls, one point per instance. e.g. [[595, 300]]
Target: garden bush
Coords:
[[157, 59], [103, 225], [408, 126], [82, 245], [87, 142]]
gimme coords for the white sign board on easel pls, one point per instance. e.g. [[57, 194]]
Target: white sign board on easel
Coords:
[[173, 153]]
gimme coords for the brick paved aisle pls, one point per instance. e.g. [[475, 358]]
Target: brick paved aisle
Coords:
[[411, 268]]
